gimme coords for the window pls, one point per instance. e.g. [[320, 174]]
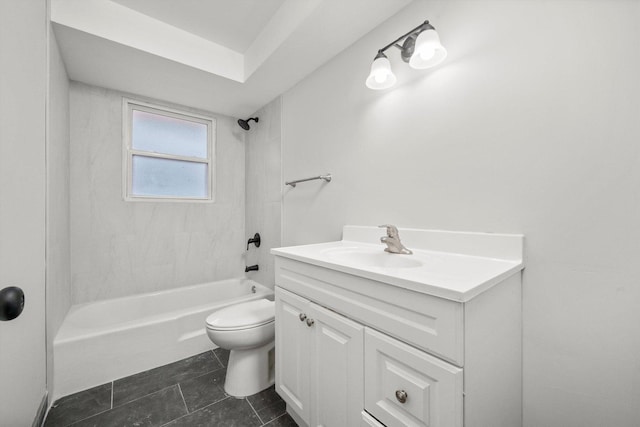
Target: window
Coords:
[[168, 154]]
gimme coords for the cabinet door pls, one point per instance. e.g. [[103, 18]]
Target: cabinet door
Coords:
[[292, 351], [407, 387], [337, 372]]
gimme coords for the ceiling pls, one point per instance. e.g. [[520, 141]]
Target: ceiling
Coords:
[[231, 23], [226, 56]]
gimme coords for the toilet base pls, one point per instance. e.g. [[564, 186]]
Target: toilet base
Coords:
[[249, 371]]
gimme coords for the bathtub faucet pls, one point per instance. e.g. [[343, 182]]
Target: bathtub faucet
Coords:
[[255, 240], [251, 268], [392, 240]]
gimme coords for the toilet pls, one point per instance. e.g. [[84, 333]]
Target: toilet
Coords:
[[246, 329]]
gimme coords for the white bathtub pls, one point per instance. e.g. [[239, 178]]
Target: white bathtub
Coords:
[[102, 341]]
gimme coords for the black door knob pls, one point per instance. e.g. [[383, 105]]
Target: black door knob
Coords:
[[11, 303]]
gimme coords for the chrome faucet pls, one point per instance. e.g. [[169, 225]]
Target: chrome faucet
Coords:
[[392, 240]]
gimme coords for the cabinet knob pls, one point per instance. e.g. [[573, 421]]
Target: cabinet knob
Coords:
[[310, 322], [302, 317], [401, 395]]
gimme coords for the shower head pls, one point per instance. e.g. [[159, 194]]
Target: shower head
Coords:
[[244, 124]]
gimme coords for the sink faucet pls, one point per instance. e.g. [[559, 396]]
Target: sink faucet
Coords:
[[392, 239]]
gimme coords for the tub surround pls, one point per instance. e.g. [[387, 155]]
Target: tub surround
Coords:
[[105, 340], [264, 189], [121, 248]]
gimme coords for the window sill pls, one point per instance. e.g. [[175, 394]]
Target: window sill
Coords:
[[166, 200]]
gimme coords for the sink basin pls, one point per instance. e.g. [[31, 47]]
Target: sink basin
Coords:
[[358, 256], [447, 264]]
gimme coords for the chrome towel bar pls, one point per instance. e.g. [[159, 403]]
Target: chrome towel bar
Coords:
[[326, 178]]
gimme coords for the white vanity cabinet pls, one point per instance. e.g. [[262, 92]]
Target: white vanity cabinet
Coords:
[[320, 363], [355, 347]]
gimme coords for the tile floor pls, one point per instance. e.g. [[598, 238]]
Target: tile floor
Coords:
[[186, 393]]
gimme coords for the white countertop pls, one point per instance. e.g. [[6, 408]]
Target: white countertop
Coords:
[[434, 268]]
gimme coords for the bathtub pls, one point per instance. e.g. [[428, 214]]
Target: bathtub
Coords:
[[102, 341]]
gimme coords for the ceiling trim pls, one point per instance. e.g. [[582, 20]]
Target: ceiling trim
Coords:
[[117, 23], [105, 44], [282, 26]]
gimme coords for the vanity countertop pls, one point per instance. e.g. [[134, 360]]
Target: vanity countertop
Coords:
[[453, 265]]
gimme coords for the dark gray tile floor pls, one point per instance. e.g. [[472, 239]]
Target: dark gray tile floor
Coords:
[[188, 392]]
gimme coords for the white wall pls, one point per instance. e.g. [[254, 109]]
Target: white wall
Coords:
[[531, 126], [58, 256], [121, 248], [23, 41], [264, 189]]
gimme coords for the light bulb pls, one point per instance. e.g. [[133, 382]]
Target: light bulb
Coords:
[[381, 76], [427, 54], [428, 50]]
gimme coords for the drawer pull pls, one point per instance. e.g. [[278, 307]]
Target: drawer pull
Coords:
[[302, 316], [401, 395], [310, 322]]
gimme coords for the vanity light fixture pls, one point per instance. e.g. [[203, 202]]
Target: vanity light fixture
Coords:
[[421, 49]]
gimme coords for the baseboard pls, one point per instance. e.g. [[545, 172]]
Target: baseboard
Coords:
[[42, 411]]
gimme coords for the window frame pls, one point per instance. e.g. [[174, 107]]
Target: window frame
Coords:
[[128, 106]]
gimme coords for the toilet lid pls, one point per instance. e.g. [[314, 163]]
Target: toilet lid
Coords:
[[242, 316]]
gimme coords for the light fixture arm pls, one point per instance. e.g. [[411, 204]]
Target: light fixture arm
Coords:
[[424, 26]]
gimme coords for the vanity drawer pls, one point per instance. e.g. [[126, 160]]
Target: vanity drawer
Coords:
[[369, 421], [407, 387], [427, 322]]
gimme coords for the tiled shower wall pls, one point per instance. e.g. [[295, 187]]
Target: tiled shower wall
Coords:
[[121, 248], [264, 189]]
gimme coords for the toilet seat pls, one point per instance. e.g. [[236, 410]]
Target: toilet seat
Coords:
[[247, 330], [246, 315]]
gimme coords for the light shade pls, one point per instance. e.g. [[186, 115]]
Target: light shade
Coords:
[[428, 50], [381, 76]]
